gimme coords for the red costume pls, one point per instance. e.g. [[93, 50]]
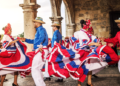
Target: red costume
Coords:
[[114, 40]]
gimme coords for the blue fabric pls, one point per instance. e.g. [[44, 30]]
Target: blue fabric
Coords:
[[72, 54], [61, 65], [59, 58], [40, 37], [73, 64], [56, 37], [85, 70], [30, 41]]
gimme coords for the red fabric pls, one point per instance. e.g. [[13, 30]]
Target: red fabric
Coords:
[[63, 43], [90, 30], [114, 40], [8, 27], [4, 54], [87, 24], [114, 57]]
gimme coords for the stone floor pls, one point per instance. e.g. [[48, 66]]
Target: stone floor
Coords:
[[107, 77]]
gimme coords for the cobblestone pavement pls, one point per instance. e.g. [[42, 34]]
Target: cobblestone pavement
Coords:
[[107, 77]]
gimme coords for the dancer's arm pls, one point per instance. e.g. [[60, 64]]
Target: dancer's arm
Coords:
[[93, 43], [27, 40], [30, 41], [13, 42], [113, 40]]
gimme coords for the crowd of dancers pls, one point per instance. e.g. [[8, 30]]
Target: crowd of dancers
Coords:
[[76, 57]]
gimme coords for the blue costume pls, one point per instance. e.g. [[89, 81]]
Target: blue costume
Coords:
[[41, 37], [56, 37]]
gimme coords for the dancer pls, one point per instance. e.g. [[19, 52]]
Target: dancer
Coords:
[[83, 36], [57, 37], [14, 58], [40, 44], [115, 41], [8, 31]]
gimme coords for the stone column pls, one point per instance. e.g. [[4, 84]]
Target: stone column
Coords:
[[70, 30], [57, 19], [30, 12]]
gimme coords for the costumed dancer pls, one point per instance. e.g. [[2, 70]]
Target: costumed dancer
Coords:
[[86, 34], [115, 41], [105, 53], [40, 49], [12, 56], [57, 37]]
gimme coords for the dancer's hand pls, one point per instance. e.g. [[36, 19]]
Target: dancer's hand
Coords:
[[102, 39], [97, 44], [93, 43], [15, 40], [22, 39], [40, 49], [110, 44]]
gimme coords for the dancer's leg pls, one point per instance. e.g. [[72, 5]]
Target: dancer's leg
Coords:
[[89, 78], [15, 78], [37, 65], [2, 79], [79, 83]]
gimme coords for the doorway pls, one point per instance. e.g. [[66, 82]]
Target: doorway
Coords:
[[114, 28]]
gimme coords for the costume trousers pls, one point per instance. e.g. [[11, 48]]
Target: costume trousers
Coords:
[[37, 65]]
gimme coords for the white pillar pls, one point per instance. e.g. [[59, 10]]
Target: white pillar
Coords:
[[70, 30]]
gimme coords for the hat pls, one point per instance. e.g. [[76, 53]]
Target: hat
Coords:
[[39, 19], [56, 24], [117, 21]]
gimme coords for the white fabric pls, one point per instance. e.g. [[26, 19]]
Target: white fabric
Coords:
[[6, 38], [37, 65], [81, 35], [119, 65], [46, 74], [93, 38], [4, 72], [95, 65], [46, 69]]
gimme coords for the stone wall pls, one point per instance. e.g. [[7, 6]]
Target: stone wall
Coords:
[[98, 12]]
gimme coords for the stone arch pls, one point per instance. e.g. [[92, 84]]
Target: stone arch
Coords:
[[56, 6], [56, 14], [70, 21], [69, 11]]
